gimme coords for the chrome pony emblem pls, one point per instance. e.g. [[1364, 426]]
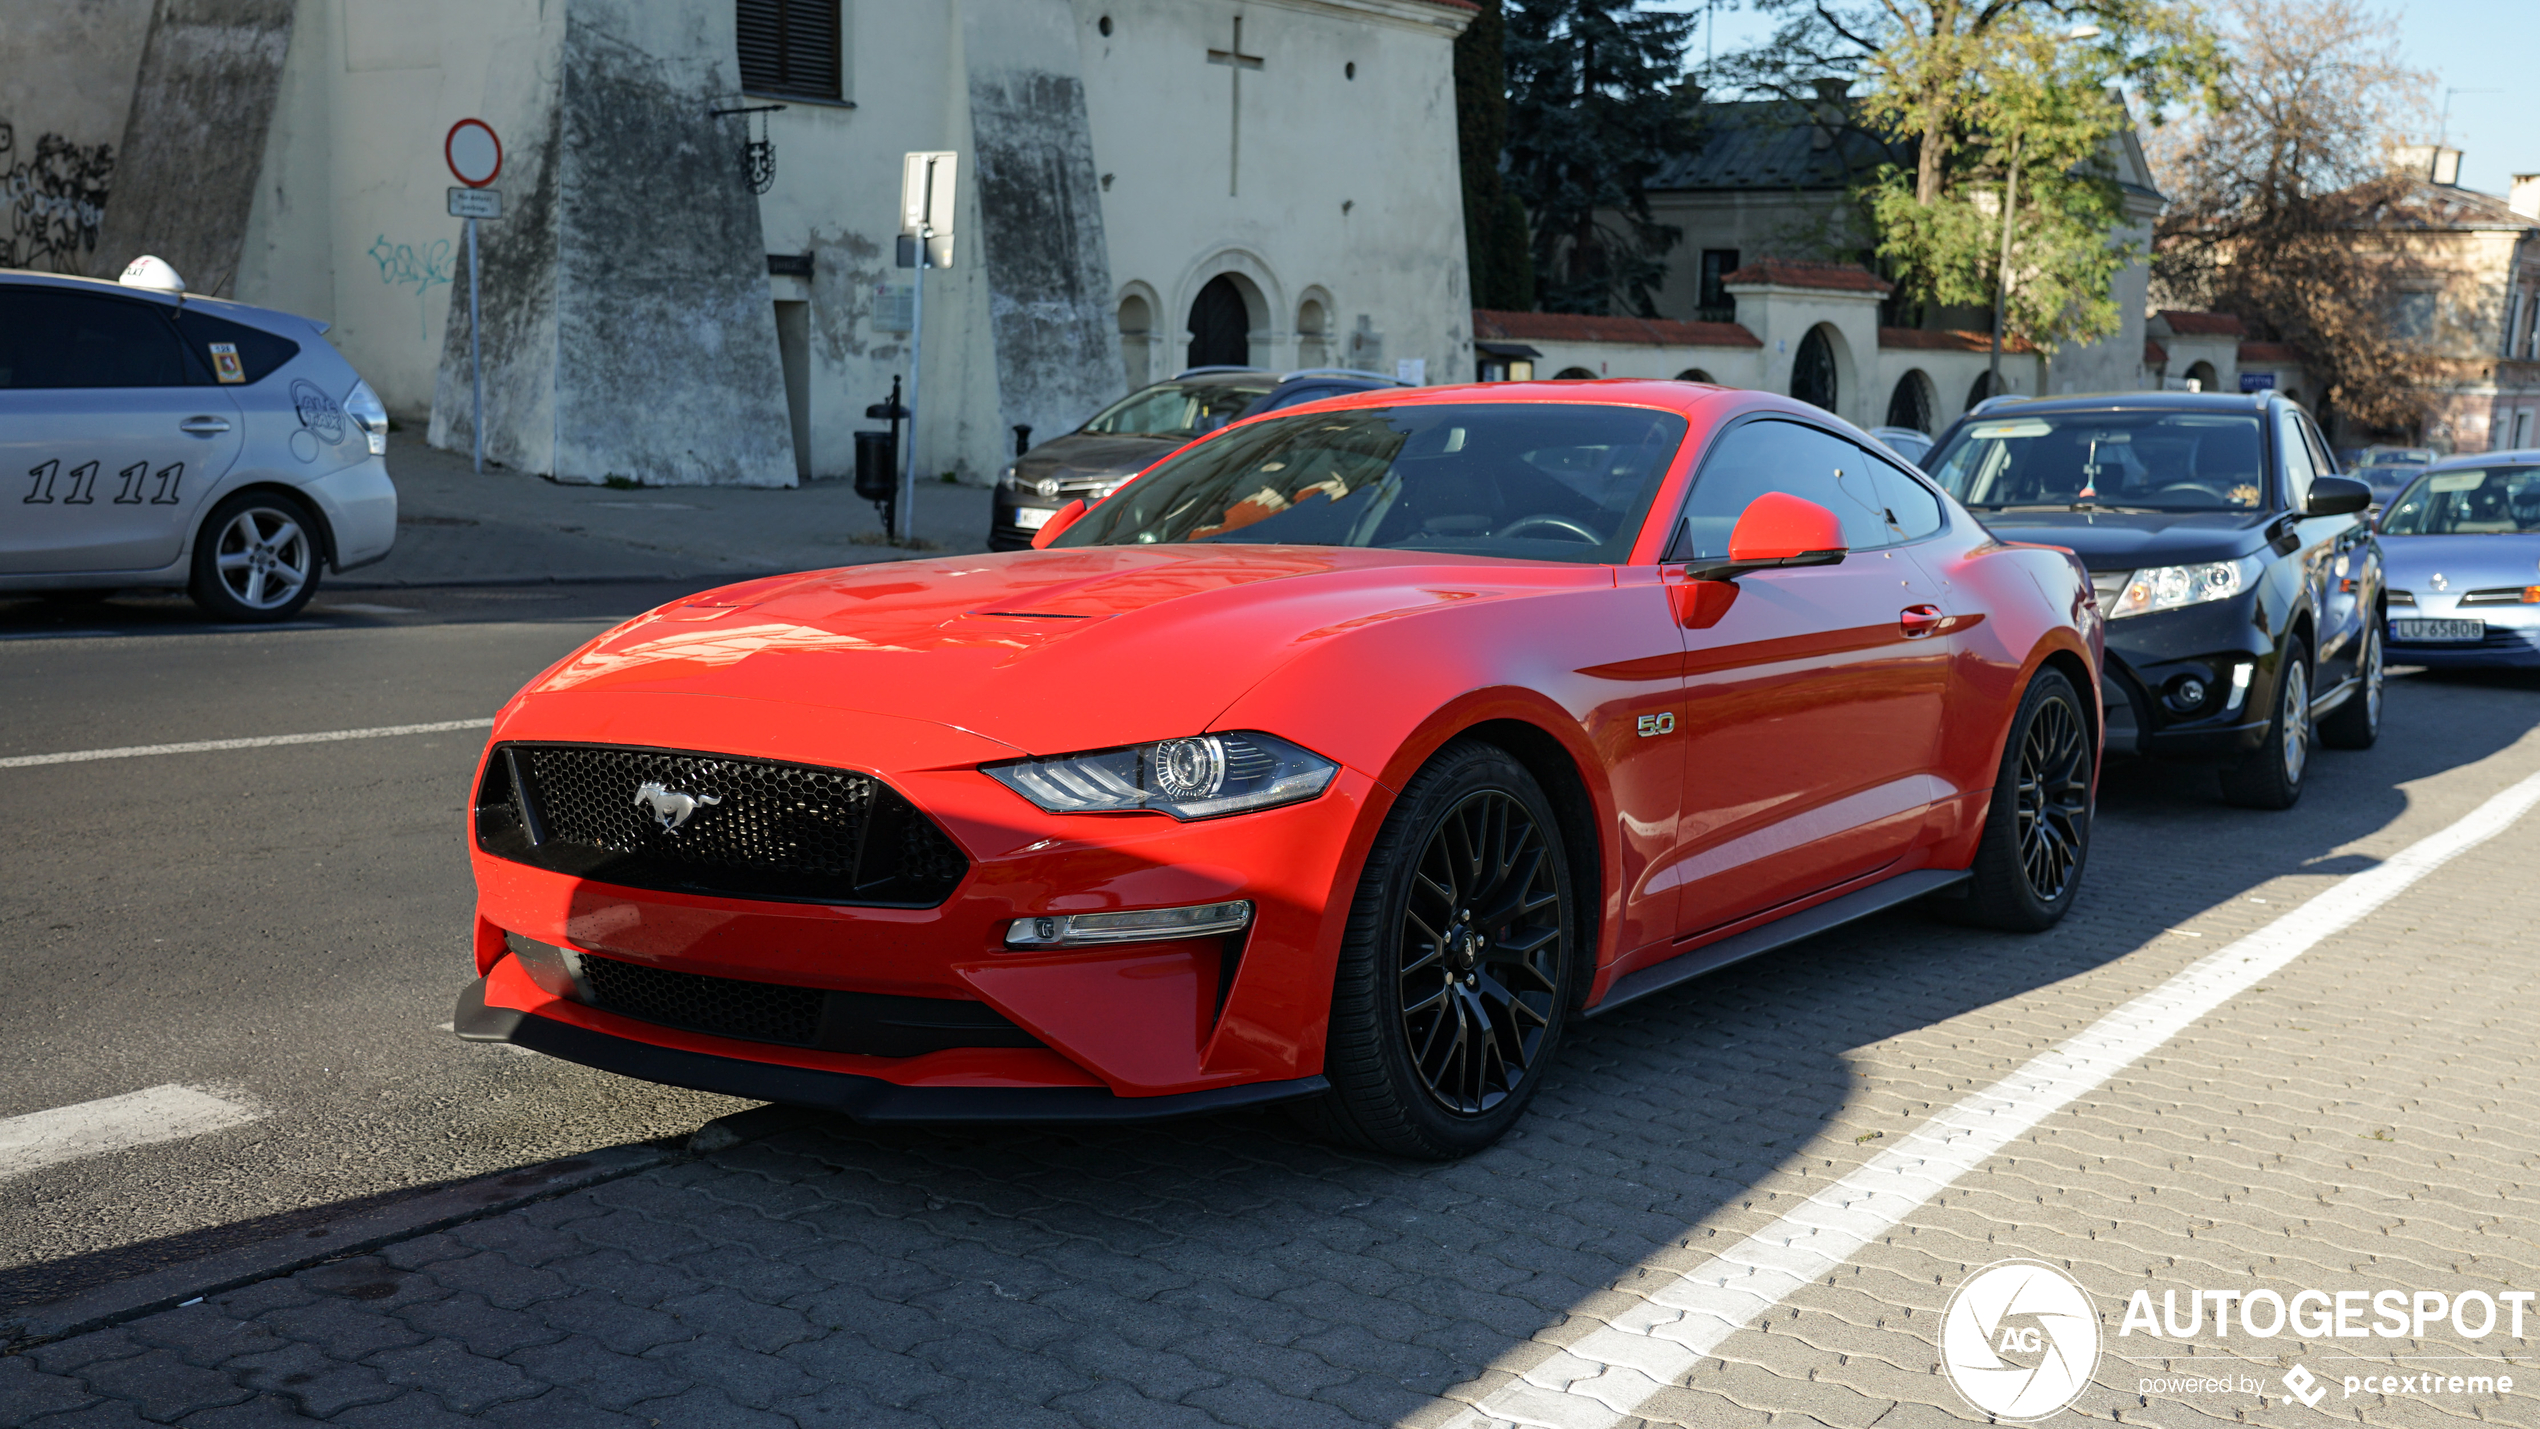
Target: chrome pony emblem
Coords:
[[670, 809]]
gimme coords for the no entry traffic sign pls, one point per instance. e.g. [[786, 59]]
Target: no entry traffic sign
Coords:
[[474, 154]]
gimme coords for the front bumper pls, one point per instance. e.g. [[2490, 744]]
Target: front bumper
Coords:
[[869, 1099], [1012, 523], [2151, 656], [1135, 1021]]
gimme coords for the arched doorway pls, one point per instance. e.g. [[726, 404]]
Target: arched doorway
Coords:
[[1221, 325], [1136, 325], [2201, 377], [1812, 373], [1573, 374], [1911, 403], [1981, 389], [1313, 334], [1693, 374]]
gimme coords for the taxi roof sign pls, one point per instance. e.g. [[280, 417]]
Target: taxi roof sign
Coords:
[[153, 273]]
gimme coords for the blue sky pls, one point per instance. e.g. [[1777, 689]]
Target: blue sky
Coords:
[[2482, 49]]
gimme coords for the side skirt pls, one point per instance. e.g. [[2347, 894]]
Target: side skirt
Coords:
[[1806, 923]]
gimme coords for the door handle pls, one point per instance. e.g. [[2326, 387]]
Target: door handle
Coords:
[[1918, 621], [203, 426]]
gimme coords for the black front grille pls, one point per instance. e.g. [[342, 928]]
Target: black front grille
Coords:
[[874, 1024], [724, 1006], [704, 823]]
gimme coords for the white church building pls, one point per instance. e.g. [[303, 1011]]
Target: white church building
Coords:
[[690, 286]]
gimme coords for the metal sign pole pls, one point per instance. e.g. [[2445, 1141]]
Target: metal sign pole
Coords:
[[475, 350], [916, 354]]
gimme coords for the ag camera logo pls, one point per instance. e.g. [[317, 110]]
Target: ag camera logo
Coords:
[[2019, 1340]]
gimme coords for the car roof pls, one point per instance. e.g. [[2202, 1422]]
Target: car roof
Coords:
[[247, 313], [2141, 402], [2517, 456]]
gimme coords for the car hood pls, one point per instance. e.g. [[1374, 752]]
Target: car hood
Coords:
[[1049, 652], [2132, 540], [1089, 454], [2473, 562]]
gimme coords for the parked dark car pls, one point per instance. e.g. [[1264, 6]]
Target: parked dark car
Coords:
[[1131, 434], [2241, 585], [1117, 443]]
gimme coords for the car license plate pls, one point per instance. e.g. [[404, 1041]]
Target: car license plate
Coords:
[[2432, 631], [1033, 518]]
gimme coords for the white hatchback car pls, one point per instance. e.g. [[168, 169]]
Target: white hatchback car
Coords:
[[155, 439]]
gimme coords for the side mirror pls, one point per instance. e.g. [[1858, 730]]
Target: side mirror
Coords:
[[1778, 529], [1059, 521], [2337, 496]]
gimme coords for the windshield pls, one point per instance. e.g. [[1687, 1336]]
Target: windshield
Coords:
[[2486, 501], [1180, 409], [1539, 481], [2140, 461]]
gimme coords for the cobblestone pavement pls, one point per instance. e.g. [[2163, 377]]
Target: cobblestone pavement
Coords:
[[2361, 1122]]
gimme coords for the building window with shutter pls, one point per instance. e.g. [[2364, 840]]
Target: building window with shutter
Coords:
[[793, 47]]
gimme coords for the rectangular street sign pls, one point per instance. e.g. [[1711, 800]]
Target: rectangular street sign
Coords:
[[476, 203], [926, 191]]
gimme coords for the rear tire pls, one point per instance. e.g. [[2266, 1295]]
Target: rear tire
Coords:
[[2270, 776], [1454, 985], [2036, 840], [256, 558], [2357, 723]]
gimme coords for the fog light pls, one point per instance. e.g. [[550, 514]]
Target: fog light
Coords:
[[557, 971], [2239, 685], [1147, 925], [2186, 695]]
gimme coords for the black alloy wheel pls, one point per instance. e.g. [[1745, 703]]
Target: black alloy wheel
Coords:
[[2036, 839], [1482, 953], [2270, 776], [2356, 724], [2054, 799], [1459, 965]]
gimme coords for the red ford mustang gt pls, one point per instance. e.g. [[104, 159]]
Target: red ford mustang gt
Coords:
[[1340, 759]]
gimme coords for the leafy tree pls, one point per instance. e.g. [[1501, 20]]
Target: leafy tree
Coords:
[[1595, 106], [2280, 201], [1495, 244], [1996, 102]]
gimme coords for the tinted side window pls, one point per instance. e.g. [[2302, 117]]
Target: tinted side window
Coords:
[[1912, 511], [258, 352], [52, 338], [1780, 456]]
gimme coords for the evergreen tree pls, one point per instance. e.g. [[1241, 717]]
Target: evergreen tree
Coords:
[[1494, 221], [1595, 105]]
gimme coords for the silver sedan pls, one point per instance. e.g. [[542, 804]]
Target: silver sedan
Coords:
[[159, 440]]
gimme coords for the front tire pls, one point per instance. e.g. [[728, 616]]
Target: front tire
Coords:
[[256, 558], [2356, 724], [1456, 970], [2037, 832], [2270, 776]]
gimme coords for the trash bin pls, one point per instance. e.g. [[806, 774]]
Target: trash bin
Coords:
[[877, 466]]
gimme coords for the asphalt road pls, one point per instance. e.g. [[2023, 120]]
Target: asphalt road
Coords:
[[285, 927]]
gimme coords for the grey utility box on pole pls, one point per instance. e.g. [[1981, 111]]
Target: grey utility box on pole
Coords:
[[926, 241]]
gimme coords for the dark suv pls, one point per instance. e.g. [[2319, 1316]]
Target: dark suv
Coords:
[[2240, 582], [1135, 432]]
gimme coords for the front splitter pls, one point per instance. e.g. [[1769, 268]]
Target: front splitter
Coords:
[[868, 1099]]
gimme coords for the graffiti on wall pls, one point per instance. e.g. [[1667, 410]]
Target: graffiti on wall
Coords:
[[56, 196], [420, 266]]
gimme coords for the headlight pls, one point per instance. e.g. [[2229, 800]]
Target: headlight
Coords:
[[1196, 778], [2169, 587], [364, 407], [1005, 476]]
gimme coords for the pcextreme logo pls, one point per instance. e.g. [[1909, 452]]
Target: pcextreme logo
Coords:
[[2020, 1340]]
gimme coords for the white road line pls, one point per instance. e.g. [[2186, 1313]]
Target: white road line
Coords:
[[205, 746], [1607, 1376], [153, 1114]]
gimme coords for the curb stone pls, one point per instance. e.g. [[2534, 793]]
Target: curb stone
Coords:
[[218, 1274]]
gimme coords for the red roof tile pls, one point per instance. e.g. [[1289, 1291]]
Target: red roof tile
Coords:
[[1804, 273], [1578, 327], [1952, 340], [2155, 355], [2188, 324]]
